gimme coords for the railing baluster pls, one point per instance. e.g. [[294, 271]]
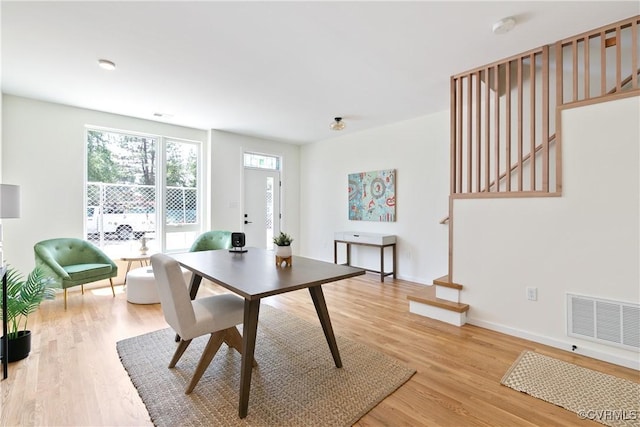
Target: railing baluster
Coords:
[[618, 60], [459, 144], [507, 141], [532, 130], [559, 72], [520, 126], [453, 132], [574, 55], [587, 74], [545, 119], [634, 54], [603, 63], [487, 133], [469, 139], [478, 133], [496, 130]]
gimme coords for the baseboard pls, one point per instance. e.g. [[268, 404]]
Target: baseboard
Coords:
[[562, 345], [417, 280]]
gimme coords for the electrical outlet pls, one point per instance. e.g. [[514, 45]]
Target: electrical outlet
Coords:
[[532, 294]]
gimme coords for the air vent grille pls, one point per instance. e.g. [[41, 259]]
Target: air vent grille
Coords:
[[630, 329], [605, 321]]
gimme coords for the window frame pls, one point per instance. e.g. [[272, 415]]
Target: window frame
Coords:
[[162, 229]]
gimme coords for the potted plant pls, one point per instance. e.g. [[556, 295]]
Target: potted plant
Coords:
[[23, 298], [283, 245]]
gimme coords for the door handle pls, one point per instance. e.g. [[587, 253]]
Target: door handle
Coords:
[[247, 222]]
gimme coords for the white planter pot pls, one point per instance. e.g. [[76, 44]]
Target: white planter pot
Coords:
[[283, 251]]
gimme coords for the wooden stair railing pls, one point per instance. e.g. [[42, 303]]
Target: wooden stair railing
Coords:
[[513, 168], [624, 83], [500, 111], [488, 91]]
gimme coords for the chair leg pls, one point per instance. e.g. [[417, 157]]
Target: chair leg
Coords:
[[65, 299], [82, 289], [179, 352], [210, 350], [234, 340], [112, 290]]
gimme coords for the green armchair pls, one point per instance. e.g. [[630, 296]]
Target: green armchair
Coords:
[[212, 240], [74, 262]]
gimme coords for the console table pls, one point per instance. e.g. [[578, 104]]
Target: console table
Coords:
[[381, 241]]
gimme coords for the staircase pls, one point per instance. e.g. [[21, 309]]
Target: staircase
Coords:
[[502, 145], [441, 302]]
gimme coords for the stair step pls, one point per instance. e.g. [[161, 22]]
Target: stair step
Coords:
[[444, 282], [428, 297]]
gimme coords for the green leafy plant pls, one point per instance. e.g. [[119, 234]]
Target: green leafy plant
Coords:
[[24, 297], [282, 239]]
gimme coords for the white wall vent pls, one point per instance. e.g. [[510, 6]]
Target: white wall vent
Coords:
[[605, 321]]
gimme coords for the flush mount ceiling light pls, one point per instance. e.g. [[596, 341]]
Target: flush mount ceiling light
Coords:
[[105, 64], [337, 124], [504, 25]]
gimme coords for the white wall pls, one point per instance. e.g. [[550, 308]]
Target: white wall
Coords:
[[43, 151], [585, 242], [419, 150], [227, 185]]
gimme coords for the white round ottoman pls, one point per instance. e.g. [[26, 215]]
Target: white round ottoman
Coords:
[[141, 285]]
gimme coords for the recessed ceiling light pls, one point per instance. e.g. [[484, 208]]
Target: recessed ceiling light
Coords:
[[105, 64], [504, 25]]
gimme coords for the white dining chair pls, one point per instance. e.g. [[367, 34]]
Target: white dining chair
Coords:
[[217, 315]]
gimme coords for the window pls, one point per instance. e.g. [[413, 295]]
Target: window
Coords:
[[141, 185], [261, 161]]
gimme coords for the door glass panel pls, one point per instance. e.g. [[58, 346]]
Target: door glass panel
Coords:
[[269, 212]]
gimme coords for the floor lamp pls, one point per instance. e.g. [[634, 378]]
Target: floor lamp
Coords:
[[9, 208]]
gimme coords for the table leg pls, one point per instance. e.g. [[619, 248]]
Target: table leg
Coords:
[[127, 273], [395, 268], [196, 279], [249, 332], [382, 264], [323, 314]]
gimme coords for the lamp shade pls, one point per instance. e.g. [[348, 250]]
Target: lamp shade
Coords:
[[9, 201], [337, 124]]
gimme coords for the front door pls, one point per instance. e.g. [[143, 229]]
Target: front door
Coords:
[[262, 206]]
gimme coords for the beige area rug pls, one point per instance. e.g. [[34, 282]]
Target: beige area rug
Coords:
[[295, 384], [590, 394]]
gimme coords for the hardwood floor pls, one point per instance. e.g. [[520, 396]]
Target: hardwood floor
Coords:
[[74, 377]]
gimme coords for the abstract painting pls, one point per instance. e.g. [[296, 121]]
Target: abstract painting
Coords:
[[372, 196]]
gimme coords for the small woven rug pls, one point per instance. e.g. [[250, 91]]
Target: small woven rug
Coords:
[[295, 384], [590, 394]]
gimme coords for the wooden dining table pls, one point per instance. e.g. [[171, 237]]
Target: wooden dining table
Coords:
[[254, 275]]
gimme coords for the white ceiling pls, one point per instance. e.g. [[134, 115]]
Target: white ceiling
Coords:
[[276, 70]]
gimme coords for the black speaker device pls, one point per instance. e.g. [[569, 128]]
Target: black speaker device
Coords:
[[237, 243]]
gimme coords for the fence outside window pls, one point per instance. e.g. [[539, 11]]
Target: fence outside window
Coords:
[[121, 212]]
